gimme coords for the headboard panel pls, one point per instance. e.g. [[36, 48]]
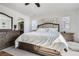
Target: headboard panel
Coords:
[[49, 25]]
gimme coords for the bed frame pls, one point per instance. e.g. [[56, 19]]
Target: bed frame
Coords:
[[38, 49]]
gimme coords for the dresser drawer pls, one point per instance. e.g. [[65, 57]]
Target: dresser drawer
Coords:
[[7, 38], [2, 35]]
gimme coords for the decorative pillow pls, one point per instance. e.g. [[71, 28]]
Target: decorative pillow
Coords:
[[47, 30], [53, 29], [41, 30]]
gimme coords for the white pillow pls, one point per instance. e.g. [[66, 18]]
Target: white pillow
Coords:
[[41, 30], [53, 29], [47, 30]]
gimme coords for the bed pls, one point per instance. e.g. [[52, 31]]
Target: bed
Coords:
[[44, 42]]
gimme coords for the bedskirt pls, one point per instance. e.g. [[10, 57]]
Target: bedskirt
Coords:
[[38, 49]]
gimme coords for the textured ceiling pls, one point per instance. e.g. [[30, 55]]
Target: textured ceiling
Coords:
[[45, 9]]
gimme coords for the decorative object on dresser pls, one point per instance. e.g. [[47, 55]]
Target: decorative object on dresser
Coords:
[[68, 36], [7, 38]]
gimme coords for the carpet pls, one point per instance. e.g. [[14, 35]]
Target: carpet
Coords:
[[3, 53]]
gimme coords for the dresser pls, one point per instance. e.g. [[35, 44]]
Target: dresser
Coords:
[[68, 36], [7, 38]]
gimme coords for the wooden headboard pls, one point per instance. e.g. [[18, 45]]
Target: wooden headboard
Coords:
[[49, 25]]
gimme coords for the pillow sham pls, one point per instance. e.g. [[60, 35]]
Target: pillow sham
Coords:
[[53, 29], [41, 30], [47, 30]]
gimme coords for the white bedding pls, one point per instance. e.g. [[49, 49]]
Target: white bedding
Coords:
[[44, 39]]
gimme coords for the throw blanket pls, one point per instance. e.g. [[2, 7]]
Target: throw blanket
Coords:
[[48, 40]]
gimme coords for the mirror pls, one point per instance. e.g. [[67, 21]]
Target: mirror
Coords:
[[6, 21]]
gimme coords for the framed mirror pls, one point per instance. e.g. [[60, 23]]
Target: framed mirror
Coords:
[[6, 21]]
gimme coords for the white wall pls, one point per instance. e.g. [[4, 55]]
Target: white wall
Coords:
[[77, 25], [27, 25], [16, 15]]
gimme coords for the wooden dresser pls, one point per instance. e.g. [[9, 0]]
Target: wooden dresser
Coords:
[[7, 38], [68, 36]]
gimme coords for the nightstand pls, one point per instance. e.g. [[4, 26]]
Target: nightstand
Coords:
[[68, 36]]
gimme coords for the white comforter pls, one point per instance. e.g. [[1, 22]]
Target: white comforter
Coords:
[[43, 39]]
